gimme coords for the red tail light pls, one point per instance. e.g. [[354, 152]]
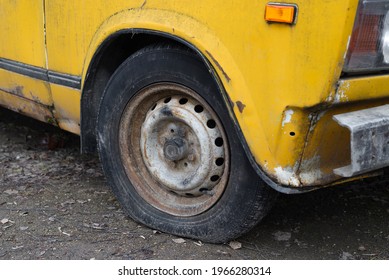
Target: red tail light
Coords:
[[365, 36], [365, 53]]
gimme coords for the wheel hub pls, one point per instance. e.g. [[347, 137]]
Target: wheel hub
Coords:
[[175, 149], [178, 147]]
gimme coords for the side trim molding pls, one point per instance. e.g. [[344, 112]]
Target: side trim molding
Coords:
[[41, 73]]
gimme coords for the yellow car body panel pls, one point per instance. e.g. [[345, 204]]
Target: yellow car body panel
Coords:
[[23, 40], [282, 81], [22, 31], [66, 113]]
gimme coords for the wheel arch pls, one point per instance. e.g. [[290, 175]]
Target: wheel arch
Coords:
[[103, 64], [114, 50]]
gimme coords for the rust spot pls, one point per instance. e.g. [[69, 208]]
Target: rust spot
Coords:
[[18, 90], [240, 105], [219, 66]]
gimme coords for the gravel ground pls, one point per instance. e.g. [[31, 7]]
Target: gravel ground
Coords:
[[55, 204]]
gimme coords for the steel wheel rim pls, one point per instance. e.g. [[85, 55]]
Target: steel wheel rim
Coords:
[[174, 149]]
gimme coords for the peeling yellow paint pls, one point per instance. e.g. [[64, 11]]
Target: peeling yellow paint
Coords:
[[310, 172], [287, 117], [286, 176], [341, 93]]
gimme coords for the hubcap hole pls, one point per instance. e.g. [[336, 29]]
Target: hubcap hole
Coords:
[[167, 100], [219, 142], [154, 106], [219, 161], [211, 124], [214, 178], [198, 108], [183, 101]]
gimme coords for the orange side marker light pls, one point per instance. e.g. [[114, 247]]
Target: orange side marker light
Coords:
[[283, 13]]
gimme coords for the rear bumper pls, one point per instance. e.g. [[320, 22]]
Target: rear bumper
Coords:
[[369, 140]]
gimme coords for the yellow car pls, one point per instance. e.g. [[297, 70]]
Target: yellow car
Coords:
[[202, 111]]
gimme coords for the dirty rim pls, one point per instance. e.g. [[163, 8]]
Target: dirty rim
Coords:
[[174, 149]]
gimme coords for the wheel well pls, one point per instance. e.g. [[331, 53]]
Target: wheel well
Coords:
[[115, 50]]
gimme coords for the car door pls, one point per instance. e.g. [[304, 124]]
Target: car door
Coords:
[[24, 80]]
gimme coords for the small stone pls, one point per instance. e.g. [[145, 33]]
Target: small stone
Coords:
[[11, 192], [82, 201], [98, 226], [68, 202], [222, 252], [362, 248], [282, 236], [346, 256], [235, 245], [41, 253], [179, 240]]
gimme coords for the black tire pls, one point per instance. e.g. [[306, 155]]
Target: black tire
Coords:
[[236, 199]]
